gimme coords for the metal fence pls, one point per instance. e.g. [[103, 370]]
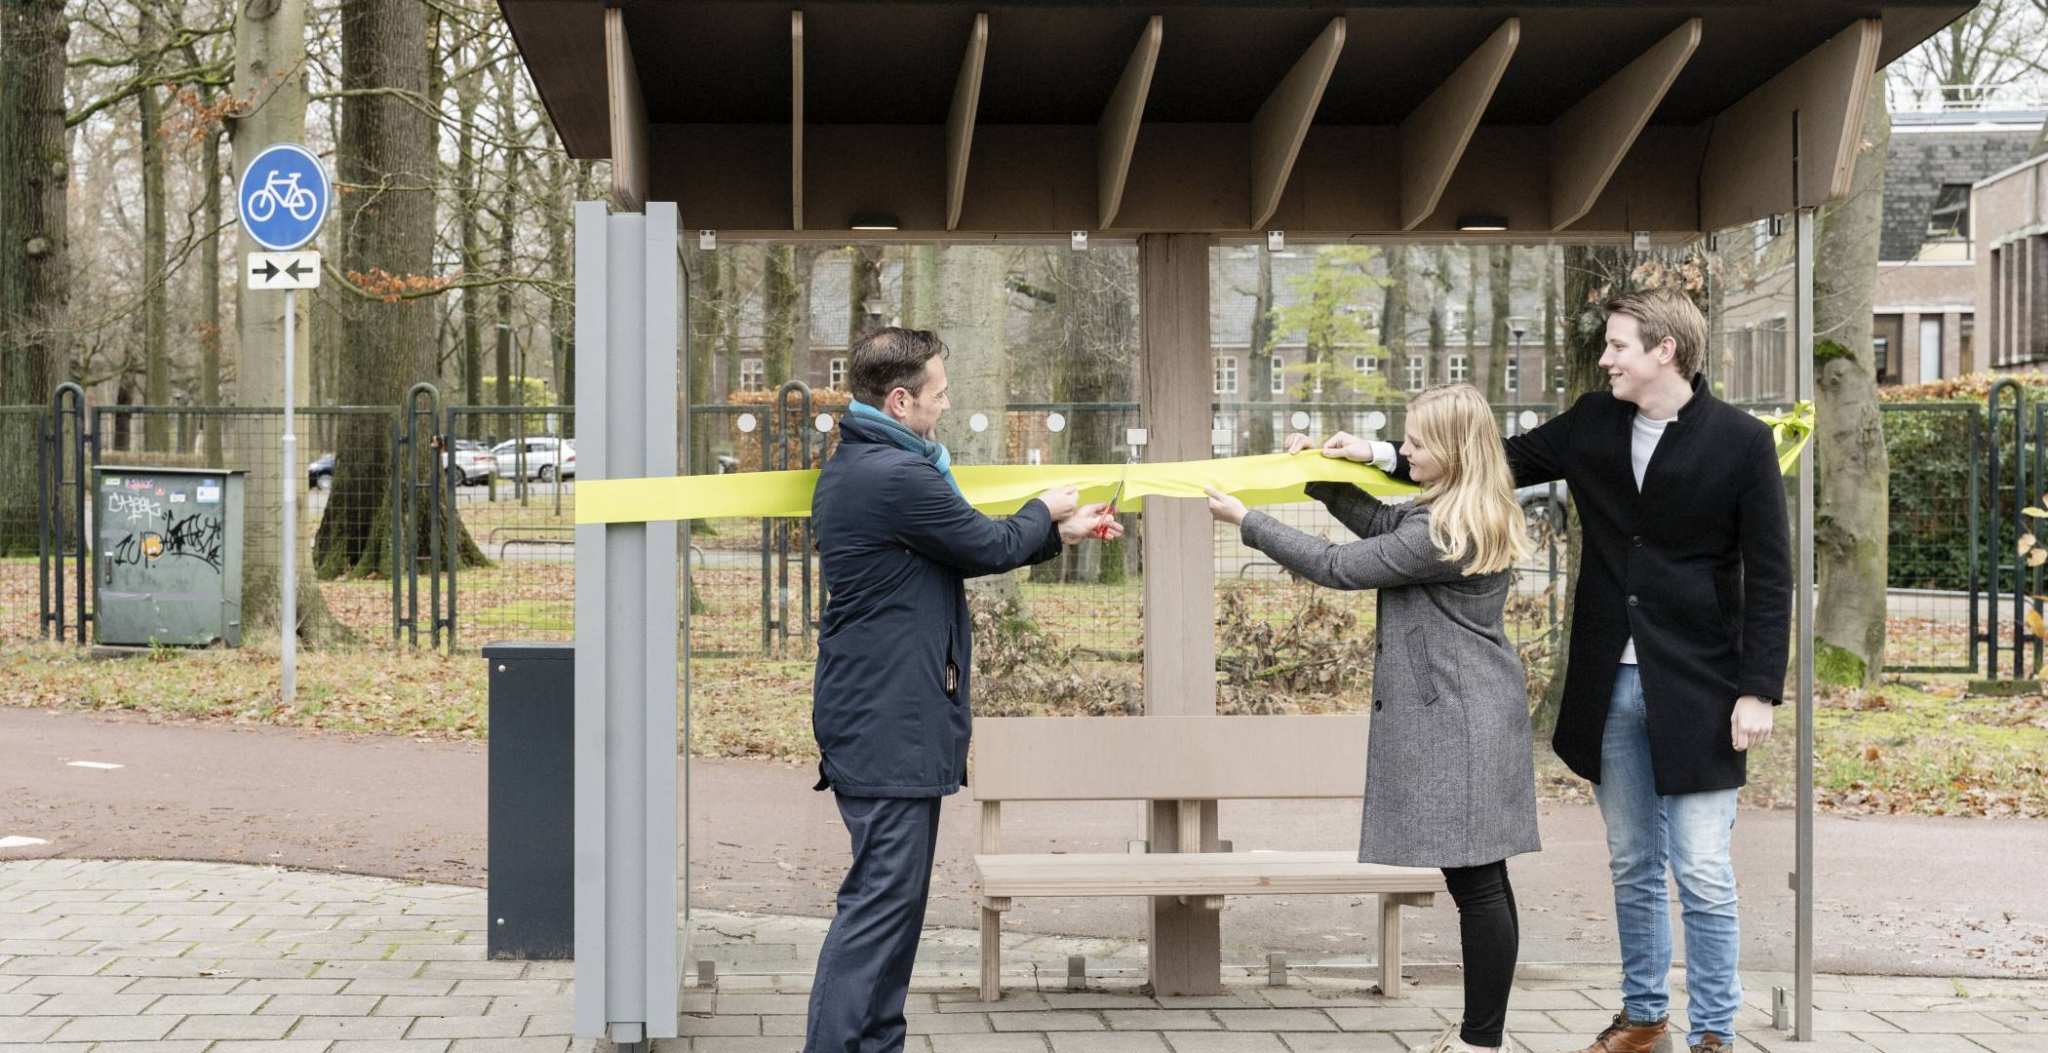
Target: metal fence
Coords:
[[493, 516]]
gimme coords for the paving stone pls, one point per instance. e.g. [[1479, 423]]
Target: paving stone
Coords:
[[1921, 1043], [2031, 1043], [1274, 1020], [309, 1046], [414, 1005], [94, 1004], [467, 1027], [1342, 1042], [1013, 1043], [299, 986], [236, 1027], [319, 1005], [1945, 1023], [409, 1045], [159, 1046], [1416, 1019], [209, 1004], [1124, 1042], [511, 1045], [1161, 1020], [29, 1028], [364, 1027], [115, 1029], [1223, 1042], [1056, 1020]]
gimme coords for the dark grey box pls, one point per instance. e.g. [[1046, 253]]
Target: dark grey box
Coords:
[[532, 807]]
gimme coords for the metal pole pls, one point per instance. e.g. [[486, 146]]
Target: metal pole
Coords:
[[288, 567], [1802, 1028]]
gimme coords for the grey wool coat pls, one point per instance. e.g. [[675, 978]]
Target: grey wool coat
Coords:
[[1450, 780]]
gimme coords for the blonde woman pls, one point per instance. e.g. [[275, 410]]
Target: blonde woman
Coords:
[[1449, 780]]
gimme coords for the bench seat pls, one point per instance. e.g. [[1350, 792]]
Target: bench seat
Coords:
[[1021, 875]]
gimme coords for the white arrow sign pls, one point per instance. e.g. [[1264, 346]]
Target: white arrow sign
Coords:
[[284, 270]]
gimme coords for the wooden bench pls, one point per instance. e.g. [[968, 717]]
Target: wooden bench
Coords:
[[1188, 760]]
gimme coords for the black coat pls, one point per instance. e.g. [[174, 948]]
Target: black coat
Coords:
[[1696, 566], [890, 700]]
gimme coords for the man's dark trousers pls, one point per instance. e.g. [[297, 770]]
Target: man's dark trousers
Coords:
[[864, 969]]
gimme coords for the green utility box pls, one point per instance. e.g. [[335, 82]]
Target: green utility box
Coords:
[[167, 555]]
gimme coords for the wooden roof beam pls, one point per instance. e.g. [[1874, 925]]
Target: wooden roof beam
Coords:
[[1283, 120], [1748, 171], [627, 111], [960, 120], [1434, 137], [1116, 134], [1589, 141], [796, 120]]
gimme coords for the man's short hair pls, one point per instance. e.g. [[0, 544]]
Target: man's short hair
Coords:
[[1661, 313], [891, 358]]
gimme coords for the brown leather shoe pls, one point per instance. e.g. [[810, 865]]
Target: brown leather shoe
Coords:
[[1627, 1036], [1711, 1043]]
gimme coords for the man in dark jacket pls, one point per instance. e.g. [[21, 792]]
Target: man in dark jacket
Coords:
[[1678, 645], [890, 703]]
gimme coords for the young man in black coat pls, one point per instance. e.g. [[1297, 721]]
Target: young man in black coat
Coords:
[[1678, 645], [890, 703]]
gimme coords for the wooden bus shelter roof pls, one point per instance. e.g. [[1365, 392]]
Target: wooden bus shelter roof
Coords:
[[1581, 120]]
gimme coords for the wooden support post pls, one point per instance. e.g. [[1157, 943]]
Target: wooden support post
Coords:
[[992, 948], [1390, 946], [1180, 582]]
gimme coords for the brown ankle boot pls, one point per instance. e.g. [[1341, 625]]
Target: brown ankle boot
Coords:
[[1627, 1036], [1711, 1043]]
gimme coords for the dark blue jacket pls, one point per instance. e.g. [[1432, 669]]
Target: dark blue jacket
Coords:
[[896, 542]]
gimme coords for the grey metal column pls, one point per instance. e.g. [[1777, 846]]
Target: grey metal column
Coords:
[[627, 937], [1802, 939]]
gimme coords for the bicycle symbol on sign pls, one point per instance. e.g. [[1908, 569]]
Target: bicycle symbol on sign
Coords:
[[284, 190]]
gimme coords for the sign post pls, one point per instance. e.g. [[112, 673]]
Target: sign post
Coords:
[[282, 199]]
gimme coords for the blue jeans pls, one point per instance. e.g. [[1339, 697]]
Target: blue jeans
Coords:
[[1690, 835]]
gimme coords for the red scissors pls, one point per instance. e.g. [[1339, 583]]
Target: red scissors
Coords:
[[1102, 529]]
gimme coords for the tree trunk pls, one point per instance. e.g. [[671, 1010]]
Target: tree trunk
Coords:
[[35, 165], [270, 50], [385, 163], [1474, 255], [156, 428], [209, 281], [971, 322], [1545, 386], [470, 234], [1852, 495], [1260, 437], [865, 285], [1394, 316], [1499, 286], [778, 313], [706, 304], [508, 209], [1592, 273]]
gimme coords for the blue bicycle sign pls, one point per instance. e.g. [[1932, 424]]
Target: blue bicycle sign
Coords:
[[283, 197]]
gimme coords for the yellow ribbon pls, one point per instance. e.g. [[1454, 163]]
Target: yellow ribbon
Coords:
[[1791, 431], [999, 489]]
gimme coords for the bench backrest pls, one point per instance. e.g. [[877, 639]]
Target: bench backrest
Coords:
[[1168, 758]]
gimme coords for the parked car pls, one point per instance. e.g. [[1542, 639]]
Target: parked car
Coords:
[[472, 463], [542, 454], [320, 474]]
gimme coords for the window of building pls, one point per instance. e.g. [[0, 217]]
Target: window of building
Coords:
[[1512, 383], [1279, 386], [1950, 216], [753, 374], [1226, 375], [1881, 350], [1460, 368], [1930, 349], [1366, 364], [836, 374], [1417, 373]]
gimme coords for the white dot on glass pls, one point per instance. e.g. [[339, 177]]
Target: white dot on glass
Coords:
[[1375, 420], [1528, 418], [746, 422], [1055, 422], [979, 422], [824, 422], [1299, 420]]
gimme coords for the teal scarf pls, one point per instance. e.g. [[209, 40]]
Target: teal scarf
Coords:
[[934, 453]]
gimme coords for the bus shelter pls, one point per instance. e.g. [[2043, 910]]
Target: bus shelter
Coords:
[[1172, 125]]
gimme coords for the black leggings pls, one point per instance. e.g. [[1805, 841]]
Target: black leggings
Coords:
[[1491, 936]]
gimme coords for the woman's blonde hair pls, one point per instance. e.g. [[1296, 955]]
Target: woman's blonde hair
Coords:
[[1474, 519]]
